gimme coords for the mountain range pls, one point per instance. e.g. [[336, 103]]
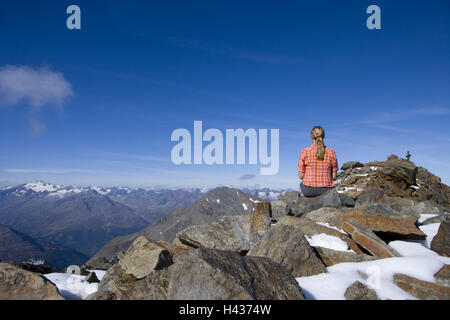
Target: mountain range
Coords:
[[84, 219], [16, 246]]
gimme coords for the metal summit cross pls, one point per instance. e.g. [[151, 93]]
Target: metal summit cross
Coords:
[[408, 155]]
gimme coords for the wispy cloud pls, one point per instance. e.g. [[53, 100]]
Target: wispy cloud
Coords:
[[38, 87], [391, 120], [116, 155], [255, 56], [405, 114], [248, 176], [47, 171]]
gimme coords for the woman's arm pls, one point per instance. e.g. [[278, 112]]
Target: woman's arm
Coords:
[[335, 167], [301, 168]]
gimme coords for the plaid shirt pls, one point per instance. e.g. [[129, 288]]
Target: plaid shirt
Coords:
[[317, 173]]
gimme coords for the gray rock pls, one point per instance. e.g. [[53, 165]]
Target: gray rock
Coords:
[[205, 274], [91, 278], [97, 264], [143, 257], [20, 284], [310, 229], [304, 204], [351, 165], [289, 197], [427, 207], [397, 225], [279, 209], [359, 291], [392, 157], [373, 195], [234, 233], [116, 284], [346, 201], [441, 240], [331, 257], [288, 246]]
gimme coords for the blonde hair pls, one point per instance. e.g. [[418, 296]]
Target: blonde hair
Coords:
[[318, 134]]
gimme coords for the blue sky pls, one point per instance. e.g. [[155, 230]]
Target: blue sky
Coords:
[[116, 89]]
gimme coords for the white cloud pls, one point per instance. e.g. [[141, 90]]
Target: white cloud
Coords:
[[38, 87]]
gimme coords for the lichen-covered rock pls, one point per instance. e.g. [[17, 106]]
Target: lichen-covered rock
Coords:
[[234, 233], [205, 274], [20, 284], [369, 241], [420, 289], [441, 241], [397, 224], [331, 257], [307, 204], [311, 228], [143, 257], [287, 245]]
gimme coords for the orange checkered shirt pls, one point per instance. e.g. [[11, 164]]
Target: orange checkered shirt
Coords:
[[317, 173]]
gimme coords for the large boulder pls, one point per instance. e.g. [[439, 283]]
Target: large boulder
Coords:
[[205, 274], [311, 228], [288, 246], [441, 241], [359, 291], [331, 257], [420, 289], [307, 204], [20, 284], [143, 257], [369, 241], [234, 233], [390, 222]]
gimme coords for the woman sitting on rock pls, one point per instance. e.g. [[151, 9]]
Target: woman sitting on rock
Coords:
[[317, 166]]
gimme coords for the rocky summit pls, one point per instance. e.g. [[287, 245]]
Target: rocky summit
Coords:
[[382, 233]]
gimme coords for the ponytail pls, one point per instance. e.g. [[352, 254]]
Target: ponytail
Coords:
[[320, 153], [318, 134]]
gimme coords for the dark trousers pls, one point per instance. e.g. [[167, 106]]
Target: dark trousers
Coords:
[[313, 191]]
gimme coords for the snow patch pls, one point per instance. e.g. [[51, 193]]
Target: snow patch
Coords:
[[417, 261], [326, 241], [40, 186], [325, 224], [72, 287]]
